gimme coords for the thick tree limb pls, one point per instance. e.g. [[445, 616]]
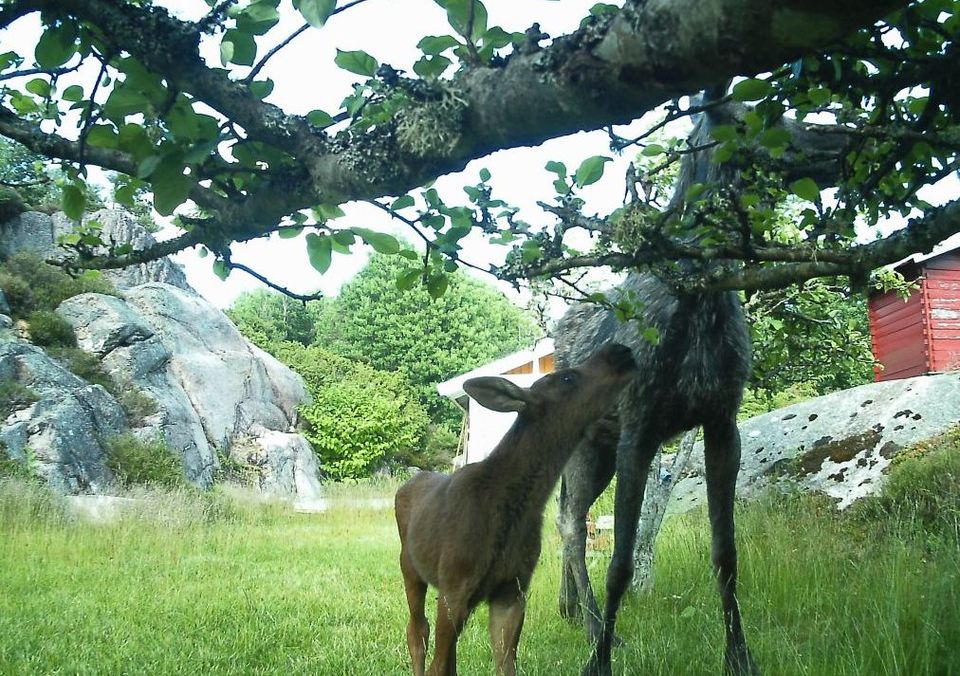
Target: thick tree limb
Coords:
[[610, 73]]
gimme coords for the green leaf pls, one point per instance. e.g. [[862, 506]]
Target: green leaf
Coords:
[[431, 67], [328, 212], [358, 62], [402, 202], [73, 201], [102, 136], [590, 170], [434, 44], [775, 137], [530, 251], [559, 168], [38, 86], [381, 242], [316, 12], [458, 14], [437, 285], [72, 93], [261, 88], [221, 270], [751, 90], [244, 48], [289, 233], [484, 175], [56, 45], [806, 188], [408, 278], [819, 95], [170, 186], [723, 132], [653, 150], [318, 118], [651, 335], [320, 251]]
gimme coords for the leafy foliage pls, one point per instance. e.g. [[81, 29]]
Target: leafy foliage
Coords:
[[815, 334], [428, 339], [360, 418], [136, 404], [48, 329], [31, 284], [135, 461], [268, 318]]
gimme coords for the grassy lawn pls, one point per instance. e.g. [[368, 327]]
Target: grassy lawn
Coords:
[[210, 586]]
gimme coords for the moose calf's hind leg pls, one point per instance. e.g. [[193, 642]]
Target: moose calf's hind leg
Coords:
[[418, 629]]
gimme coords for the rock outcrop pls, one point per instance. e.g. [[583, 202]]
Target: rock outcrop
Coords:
[[61, 433], [840, 444], [217, 396], [39, 232]]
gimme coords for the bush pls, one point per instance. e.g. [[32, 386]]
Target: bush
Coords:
[[360, 418], [30, 284], [136, 461], [14, 396], [48, 329], [16, 469]]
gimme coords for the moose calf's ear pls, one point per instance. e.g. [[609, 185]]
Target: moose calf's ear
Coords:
[[497, 394]]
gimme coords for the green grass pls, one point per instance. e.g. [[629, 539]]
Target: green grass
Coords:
[[217, 585]]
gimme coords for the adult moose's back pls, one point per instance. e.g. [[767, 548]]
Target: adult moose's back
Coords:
[[693, 375]]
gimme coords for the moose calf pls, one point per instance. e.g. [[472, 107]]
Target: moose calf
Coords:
[[475, 534]]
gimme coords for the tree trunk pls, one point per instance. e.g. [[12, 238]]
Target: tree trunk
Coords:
[[657, 495]]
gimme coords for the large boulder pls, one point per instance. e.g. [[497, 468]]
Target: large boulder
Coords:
[[213, 388], [840, 444], [60, 434], [40, 233]]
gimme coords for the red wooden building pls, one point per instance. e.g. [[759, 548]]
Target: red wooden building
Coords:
[[922, 334]]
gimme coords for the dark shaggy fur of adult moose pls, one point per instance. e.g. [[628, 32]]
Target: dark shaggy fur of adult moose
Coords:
[[693, 376], [475, 534]]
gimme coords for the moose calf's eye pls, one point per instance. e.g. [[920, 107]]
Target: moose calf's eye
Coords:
[[568, 378]]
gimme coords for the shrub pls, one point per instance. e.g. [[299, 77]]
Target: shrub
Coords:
[[30, 284], [360, 418], [48, 329], [136, 404], [15, 469], [14, 396], [136, 461]]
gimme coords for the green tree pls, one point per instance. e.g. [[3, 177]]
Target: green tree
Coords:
[[269, 317], [817, 334], [429, 339], [359, 418]]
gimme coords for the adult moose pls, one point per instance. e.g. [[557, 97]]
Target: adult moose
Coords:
[[693, 376], [475, 534]]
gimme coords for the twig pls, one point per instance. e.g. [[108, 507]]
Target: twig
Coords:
[[282, 289], [290, 38]]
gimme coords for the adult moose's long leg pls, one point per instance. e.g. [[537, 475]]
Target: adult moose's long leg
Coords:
[[634, 454], [587, 474], [722, 458]]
